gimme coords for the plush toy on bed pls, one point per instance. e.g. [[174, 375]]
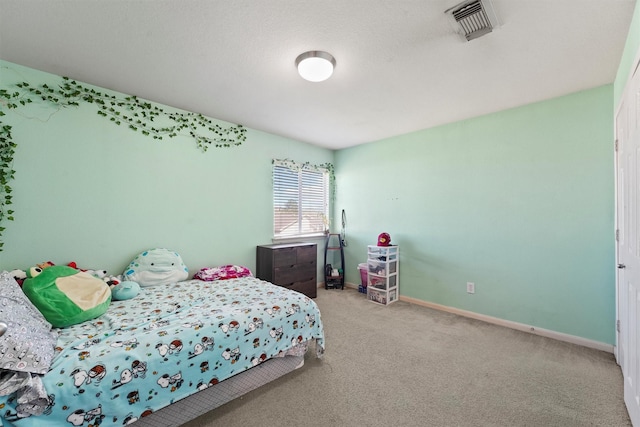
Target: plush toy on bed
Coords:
[[100, 274], [18, 276], [125, 290], [111, 280], [156, 267], [66, 296], [45, 264]]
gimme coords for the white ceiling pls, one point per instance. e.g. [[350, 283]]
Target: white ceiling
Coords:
[[400, 65]]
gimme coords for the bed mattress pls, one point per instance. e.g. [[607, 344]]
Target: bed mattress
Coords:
[[166, 344]]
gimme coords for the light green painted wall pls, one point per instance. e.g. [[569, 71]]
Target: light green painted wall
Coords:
[[98, 194], [629, 54], [520, 202]]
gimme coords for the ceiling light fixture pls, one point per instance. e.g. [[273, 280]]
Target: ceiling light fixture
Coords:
[[315, 65]]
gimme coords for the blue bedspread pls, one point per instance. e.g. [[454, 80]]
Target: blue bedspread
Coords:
[[166, 344]]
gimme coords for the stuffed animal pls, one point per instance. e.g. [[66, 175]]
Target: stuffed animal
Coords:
[[124, 290], [18, 275], [111, 280], [34, 271], [66, 296], [21, 275], [45, 264], [100, 274], [154, 267]]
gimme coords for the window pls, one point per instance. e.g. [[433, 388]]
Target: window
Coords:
[[300, 199]]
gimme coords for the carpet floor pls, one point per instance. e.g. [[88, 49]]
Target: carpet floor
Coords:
[[408, 365]]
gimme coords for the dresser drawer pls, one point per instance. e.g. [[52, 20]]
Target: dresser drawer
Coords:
[[307, 254], [294, 273], [309, 288], [284, 257]]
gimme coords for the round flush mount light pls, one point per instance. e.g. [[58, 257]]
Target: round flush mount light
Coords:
[[315, 65]]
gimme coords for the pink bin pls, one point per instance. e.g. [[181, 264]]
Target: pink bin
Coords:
[[363, 274]]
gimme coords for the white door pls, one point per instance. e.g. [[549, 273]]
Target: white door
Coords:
[[627, 129]]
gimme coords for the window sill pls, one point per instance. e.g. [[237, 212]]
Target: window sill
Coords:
[[297, 238]]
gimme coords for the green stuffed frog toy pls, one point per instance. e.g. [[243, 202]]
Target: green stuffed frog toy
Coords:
[[66, 296]]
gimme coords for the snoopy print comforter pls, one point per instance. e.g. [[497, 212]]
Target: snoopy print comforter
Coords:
[[165, 344]]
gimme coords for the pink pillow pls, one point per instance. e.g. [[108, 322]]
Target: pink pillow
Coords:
[[224, 272]]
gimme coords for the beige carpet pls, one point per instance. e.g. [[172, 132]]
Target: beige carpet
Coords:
[[406, 365]]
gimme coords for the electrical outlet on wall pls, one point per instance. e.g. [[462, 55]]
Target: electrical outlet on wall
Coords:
[[471, 288]]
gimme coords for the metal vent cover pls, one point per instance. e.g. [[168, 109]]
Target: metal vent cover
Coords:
[[473, 18]]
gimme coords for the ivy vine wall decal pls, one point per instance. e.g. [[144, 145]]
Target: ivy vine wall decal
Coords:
[[328, 167], [138, 115]]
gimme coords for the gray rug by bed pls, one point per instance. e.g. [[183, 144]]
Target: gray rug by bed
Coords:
[[406, 365]]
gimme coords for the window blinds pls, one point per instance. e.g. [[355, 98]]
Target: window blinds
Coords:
[[300, 200]]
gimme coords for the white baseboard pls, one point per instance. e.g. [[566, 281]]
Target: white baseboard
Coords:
[[609, 348]]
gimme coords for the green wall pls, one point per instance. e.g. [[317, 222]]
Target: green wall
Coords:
[[519, 202], [89, 191]]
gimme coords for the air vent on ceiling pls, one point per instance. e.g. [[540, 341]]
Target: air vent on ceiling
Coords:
[[473, 18]]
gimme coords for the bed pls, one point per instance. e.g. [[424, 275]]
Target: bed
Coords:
[[186, 347]]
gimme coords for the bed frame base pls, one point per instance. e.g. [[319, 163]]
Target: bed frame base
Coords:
[[208, 399]]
